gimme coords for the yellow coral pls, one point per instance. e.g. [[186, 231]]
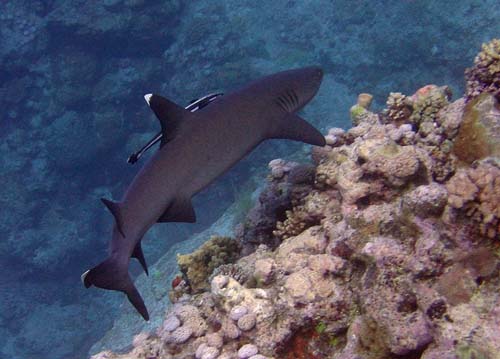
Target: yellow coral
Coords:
[[198, 266], [489, 57]]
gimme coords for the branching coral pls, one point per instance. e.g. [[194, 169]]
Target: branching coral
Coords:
[[399, 108], [303, 216], [484, 76]]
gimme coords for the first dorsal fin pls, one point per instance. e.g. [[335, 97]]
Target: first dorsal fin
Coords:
[[114, 208], [169, 113]]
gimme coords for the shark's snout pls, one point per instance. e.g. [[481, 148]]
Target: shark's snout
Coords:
[[314, 74]]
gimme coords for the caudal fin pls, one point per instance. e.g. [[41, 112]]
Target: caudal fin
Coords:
[[111, 275]]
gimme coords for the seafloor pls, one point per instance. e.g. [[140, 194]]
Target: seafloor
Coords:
[[382, 245]]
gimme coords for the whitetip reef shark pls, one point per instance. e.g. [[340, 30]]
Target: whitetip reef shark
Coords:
[[196, 148]]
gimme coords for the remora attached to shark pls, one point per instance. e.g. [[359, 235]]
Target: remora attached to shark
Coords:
[[196, 148]]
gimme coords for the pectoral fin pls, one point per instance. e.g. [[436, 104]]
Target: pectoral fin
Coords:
[[181, 210], [294, 127]]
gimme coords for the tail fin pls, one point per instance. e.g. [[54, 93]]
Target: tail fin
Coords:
[[112, 275]]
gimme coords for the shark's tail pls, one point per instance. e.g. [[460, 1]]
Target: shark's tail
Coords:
[[113, 275]]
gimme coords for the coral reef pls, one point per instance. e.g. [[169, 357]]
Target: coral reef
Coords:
[[374, 254], [484, 76], [288, 184]]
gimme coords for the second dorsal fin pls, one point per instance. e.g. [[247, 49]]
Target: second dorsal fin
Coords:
[[114, 208], [168, 113]]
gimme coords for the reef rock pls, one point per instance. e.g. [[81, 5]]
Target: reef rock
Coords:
[[386, 247]]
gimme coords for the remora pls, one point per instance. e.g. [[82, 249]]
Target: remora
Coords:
[[197, 147]]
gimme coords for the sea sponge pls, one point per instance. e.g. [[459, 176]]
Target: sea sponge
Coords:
[[484, 76], [360, 111], [476, 193], [199, 265], [365, 100], [479, 133]]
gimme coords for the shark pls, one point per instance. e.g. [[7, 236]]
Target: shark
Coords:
[[196, 148]]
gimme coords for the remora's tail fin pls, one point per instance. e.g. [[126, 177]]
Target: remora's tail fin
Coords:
[[294, 127], [112, 275]]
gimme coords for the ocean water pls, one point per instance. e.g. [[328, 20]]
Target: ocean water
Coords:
[[72, 79]]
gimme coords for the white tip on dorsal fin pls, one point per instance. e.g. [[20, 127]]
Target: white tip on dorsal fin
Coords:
[[82, 277], [147, 97]]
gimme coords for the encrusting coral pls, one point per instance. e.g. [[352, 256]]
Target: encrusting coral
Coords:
[[476, 192], [381, 249]]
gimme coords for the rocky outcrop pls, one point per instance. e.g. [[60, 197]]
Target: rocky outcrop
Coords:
[[386, 247]]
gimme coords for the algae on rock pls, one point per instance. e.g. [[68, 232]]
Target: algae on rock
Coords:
[[199, 265]]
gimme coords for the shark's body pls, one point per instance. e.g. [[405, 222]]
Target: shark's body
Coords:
[[197, 148]]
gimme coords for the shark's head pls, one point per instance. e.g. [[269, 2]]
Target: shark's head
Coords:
[[291, 90]]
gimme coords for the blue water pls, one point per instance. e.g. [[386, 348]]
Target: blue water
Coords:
[[72, 77]]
